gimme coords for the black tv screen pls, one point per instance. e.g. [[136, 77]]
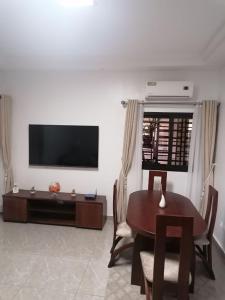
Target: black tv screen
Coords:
[[63, 145]]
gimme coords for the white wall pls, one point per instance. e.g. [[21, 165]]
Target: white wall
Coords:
[[1, 167], [89, 98], [219, 231]]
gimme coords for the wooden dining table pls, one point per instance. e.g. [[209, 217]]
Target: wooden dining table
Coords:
[[143, 206]]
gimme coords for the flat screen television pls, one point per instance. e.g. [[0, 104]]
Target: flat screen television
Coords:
[[63, 145]]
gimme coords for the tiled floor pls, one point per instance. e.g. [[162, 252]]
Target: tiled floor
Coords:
[[54, 262]]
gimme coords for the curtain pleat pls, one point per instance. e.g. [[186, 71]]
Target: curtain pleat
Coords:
[[135, 175], [195, 162], [209, 128], [127, 156], [5, 140]]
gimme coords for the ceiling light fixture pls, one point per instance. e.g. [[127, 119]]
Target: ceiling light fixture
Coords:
[[76, 3]]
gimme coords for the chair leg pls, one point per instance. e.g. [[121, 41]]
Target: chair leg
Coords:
[[116, 252], [115, 242], [206, 255], [209, 260], [204, 251], [183, 294], [193, 268], [111, 262], [147, 290]]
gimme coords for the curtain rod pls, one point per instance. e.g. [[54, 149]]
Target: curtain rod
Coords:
[[124, 103]]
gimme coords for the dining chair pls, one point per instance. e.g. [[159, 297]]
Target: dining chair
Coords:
[[151, 178], [121, 231], [203, 245], [162, 268]]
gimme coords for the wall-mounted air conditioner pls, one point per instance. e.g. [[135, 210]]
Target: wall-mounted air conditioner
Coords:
[[175, 89]]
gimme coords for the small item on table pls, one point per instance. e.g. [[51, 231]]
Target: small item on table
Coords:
[[32, 190], [54, 187], [15, 189], [90, 196], [73, 194], [162, 202]]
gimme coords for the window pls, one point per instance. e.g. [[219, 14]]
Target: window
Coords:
[[166, 141]]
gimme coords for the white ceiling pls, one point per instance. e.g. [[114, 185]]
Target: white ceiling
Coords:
[[113, 34]]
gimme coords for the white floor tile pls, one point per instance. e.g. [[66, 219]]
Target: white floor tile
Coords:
[[58, 262]]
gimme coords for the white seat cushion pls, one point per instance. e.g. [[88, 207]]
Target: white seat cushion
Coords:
[[124, 230], [202, 241], [171, 266]]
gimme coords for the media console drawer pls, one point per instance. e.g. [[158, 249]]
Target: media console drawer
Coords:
[[90, 215], [60, 209]]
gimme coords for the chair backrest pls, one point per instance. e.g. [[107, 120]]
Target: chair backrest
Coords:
[[185, 254], [115, 220], [210, 216], [151, 177]]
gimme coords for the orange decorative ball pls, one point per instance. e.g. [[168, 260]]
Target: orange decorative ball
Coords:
[[54, 187]]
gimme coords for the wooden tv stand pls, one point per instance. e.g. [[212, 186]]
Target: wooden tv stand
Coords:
[[60, 209]]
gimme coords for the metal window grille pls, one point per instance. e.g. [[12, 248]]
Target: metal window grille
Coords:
[[166, 141]]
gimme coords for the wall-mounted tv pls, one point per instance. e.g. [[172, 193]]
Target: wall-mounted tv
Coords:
[[63, 145]]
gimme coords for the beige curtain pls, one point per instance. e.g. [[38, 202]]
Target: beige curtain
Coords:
[[127, 156], [209, 128], [5, 140], [195, 161], [135, 175]]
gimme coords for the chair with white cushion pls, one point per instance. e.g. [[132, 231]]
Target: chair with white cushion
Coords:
[[203, 245], [162, 268], [121, 231]]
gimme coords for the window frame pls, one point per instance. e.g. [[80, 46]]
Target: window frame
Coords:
[[148, 165]]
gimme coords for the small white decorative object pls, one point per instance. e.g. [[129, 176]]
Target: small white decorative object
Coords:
[[32, 190], [73, 194], [162, 202], [15, 189]]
